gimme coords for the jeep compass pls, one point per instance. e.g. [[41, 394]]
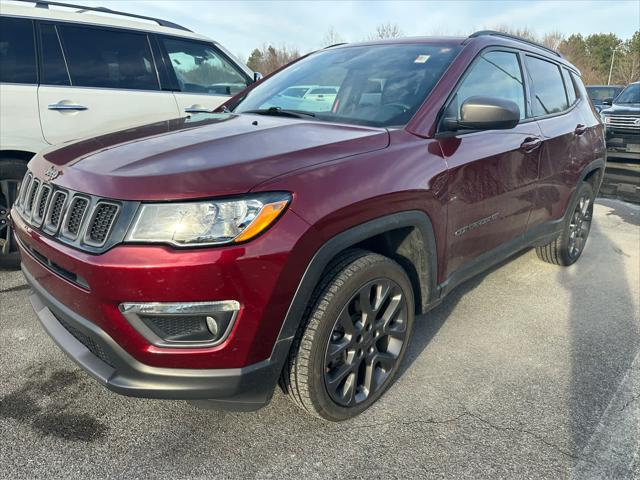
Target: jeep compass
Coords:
[[295, 239]]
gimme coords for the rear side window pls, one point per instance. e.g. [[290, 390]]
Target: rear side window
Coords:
[[571, 88], [494, 74], [201, 69], [54, 70], [548, 94], [108, 58], [17, 51]]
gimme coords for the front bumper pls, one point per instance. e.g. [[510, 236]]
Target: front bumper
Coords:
[[246, 388], [618, 141]]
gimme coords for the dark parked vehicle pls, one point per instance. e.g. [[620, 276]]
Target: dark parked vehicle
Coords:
[[622, 124], [208, 258], [603, 95]]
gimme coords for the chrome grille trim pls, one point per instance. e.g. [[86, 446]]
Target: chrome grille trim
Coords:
[[41, 204], [24, 188], [55, 212], [68, 216], [31, 196], [77, 208], [623, 121], [98, 238]]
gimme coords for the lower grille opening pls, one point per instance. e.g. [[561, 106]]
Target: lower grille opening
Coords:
[[93, 346]]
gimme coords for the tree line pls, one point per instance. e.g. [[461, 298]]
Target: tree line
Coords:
[[598, 55]]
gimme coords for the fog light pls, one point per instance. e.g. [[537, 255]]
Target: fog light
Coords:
[[193, 324]]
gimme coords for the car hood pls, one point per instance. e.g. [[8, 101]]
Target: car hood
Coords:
[[623, 108], [202, 156]]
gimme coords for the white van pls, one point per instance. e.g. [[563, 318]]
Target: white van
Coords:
[[69, 71]]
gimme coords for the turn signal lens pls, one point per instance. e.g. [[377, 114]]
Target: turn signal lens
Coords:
[[267, 215]]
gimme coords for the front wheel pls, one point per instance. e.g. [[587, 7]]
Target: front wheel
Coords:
[[354, 337], [569, 245]]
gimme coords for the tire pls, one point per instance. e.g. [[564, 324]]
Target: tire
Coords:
[[567, 247], [351, 327], [11, 173]]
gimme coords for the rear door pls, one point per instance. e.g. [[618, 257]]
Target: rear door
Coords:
[[203, 76], [563, 129], [492, 174], [97, 79]]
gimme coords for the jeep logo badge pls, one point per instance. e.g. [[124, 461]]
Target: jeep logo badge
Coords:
[[52, 173]]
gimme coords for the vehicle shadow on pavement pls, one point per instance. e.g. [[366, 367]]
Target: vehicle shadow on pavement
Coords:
[[426, 326], [605, 340]]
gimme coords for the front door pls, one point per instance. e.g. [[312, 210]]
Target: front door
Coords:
[[204, 76], [492, 174]]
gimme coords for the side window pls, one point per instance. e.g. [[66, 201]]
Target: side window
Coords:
[[17, 51], [494, 74], [571, 88], [547, 90], [581, 90], [54, 69], [200, 68], [108, 58]]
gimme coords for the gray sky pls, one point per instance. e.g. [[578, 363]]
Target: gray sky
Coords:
[[244, 25]]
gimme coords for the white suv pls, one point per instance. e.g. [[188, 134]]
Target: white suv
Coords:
[[67, 74]]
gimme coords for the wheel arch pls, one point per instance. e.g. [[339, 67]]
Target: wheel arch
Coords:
[[407, 237]]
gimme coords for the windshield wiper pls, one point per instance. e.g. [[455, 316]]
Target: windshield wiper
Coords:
[[277, 111]]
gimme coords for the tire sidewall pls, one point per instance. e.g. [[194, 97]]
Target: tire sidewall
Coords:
[[564, 245], [12, 169], [317, 388]]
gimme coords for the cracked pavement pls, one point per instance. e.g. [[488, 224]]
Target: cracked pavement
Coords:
[[528, 371]]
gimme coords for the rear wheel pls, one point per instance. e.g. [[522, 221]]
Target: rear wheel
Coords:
[[353, 338], [569, 245], [11, 173]]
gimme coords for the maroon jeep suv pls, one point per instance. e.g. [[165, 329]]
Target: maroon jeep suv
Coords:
[[295, 239]]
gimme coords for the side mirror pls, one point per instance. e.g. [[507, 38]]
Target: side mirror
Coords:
[[257, 76], [485, 113], [607, 101]]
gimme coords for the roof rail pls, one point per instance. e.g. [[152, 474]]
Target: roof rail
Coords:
[[334, 45], [82, 9], [494, 33]]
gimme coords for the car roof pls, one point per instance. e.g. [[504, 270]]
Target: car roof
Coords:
[[482, 39], [77, 14]]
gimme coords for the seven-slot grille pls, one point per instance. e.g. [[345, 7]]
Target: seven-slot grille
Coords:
[[626, 122], [72, 216]]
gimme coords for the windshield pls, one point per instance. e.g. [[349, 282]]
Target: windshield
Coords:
[[631, 94], [381, 85], [597, 94]]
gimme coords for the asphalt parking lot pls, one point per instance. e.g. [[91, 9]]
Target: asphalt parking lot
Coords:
[[529, 371]]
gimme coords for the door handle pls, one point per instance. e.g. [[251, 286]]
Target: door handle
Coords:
[[530, 144], [580, 129], [66, 106], [194, 109]]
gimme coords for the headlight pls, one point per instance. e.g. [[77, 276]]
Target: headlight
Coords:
[[211, 222]]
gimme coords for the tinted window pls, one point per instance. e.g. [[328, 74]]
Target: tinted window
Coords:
[[631, 94], [571, 89], [382, 85], [494, 74], [54, 70], [548, 95], [108, 58], [201, 69], [17, 51]]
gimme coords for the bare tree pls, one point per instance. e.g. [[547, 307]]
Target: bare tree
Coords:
[[386, 30], [332, 37], [269, 58], [552, 40]]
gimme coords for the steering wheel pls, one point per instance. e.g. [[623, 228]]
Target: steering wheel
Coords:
[[401, 106]]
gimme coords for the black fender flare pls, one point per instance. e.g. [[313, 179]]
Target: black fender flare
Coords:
[[348, 238]]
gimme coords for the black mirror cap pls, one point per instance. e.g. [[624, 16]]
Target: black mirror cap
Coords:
[[607, 101], [257, 76], [488, 113]]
